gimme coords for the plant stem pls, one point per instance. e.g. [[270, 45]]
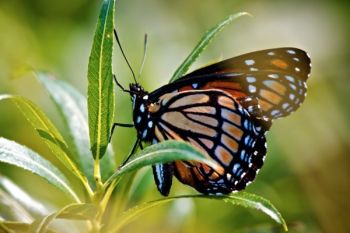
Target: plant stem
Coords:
[[97, 174], [108, 195], [88, 188]]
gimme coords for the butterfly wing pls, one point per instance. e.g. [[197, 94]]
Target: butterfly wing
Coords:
[[276, 77], [213, 122]]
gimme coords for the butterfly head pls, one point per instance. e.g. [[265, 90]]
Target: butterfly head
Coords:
[[141, 115]]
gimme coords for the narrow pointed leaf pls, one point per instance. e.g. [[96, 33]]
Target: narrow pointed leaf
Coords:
[[100, 81], [164, 152], [14, 227], [17, 227], [12, 210], [47, 131], [21, 156], [22, 197], [254, 201], [72, 212], [73, 107], [244, 199], [202, 44]]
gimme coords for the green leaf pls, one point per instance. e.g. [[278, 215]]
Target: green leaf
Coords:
[[72, 212], [12, 209], [100, 81], [140, 185], [163, 152], [11, 227], [78, 212], [202, 44], [73, 107], [22, 197], [254, 201], [244, 199], [21, 156], [47, 131], [17, 227]]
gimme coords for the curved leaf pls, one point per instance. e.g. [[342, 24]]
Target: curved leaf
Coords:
[[73, 107], [12, 210], [72, 212], [11, 227], [21, 156], [244, 199], [100, 82], [202, 44], [47, 131], [22, 197], [163, 152], [254, 201]]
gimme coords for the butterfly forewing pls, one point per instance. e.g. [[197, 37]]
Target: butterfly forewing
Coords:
[[276, 77], [288, 60], [217, 125]]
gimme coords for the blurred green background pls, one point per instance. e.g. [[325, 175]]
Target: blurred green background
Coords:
[[307, 170]]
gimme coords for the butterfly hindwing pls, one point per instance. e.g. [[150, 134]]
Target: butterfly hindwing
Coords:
[[221, 128], [163, 176]]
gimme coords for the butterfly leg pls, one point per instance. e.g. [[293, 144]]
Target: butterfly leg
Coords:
[[251, 104], [120, 125], [119, 85], [134, 147], [163, 177]]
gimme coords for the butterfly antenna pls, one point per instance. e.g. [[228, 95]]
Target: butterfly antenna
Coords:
[[121, 49], [144, 55]]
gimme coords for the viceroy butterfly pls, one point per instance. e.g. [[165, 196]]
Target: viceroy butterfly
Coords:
[[224, 110]]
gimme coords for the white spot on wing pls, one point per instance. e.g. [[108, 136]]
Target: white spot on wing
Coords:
[[275, 113], [138, 119], [285, 105], [253, 69], [150, 124], [291, 51], [142, 107], [235, 168], [144, 134], [273, 76], [246, 124], [159, 173], [296, 59], [246, 140], [249, 62], [290, 78], [252, 88], [297, 69], [251, 79], [243, 155], [271, 53]]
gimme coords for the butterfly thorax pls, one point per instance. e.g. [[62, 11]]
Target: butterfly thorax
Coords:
[[142, 117]]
